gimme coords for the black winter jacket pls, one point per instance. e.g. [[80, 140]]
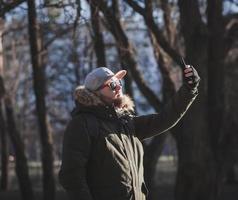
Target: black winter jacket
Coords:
[[107, 163]]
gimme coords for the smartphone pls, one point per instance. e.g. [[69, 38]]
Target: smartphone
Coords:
[[184, 64], [184, 67]]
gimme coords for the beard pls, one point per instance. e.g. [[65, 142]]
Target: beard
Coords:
[[123, 102], [119, 102]]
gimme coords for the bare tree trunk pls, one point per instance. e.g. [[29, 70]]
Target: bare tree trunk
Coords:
[[21, 166], [196, 169], [228, 144], [152, 152], [4, 152], [99, 46], [216, 92], [21, 160], [39, 89], [169, 25], [75, 56], [3, 138]]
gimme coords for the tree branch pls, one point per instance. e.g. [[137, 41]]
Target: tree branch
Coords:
[[6, 7], [58, 33], [192, 26], [97, 37], [231, 34], [136, 7], [169, 25], [157, 32]]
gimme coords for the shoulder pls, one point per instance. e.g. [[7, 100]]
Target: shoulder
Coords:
[[76, 119], [77, 123], [82, 117], [88, 119], [86, 122]]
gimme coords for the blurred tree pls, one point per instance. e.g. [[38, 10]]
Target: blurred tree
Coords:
[[230, 127], [4, 152], [4, 146], [39, 89], [6, 6], [99, 46], [75, 57], [21, 166]]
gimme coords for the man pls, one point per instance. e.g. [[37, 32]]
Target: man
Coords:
[[102, 151]]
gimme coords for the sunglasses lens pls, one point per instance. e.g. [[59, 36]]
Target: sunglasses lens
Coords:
[[114, 84], [111, 85]]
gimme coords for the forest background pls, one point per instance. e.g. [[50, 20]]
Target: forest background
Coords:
[[48, 46]]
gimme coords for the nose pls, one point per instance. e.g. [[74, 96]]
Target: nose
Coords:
[[118, 87]]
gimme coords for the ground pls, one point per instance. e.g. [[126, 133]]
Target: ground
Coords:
[[164, 190], [164, 193]]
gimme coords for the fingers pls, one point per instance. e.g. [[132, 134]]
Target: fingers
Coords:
[[188, 74], [188, 68], [191, 76], [188, 71]]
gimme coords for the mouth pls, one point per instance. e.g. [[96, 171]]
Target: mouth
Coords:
[[118, 94]]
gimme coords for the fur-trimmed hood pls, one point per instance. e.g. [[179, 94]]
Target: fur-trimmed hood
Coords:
[[86, 98]]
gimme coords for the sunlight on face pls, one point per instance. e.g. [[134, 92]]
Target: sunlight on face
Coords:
[[108, 95]]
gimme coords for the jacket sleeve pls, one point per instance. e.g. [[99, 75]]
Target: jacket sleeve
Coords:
[[150, 125], [76, 151]]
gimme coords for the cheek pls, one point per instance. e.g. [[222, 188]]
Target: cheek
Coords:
[[111, 95], [107, 92]]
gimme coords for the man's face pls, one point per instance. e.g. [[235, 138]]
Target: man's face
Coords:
[[111, 91]]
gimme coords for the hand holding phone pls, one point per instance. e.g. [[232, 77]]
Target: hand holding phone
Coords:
[[190, 75]]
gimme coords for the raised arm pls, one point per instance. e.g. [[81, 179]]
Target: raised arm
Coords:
[[76, 150], [150, 125]]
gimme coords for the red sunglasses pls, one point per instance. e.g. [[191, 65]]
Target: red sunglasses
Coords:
[[112, 85]]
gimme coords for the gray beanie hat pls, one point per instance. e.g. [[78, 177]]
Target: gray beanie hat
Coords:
[[99, 76]]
